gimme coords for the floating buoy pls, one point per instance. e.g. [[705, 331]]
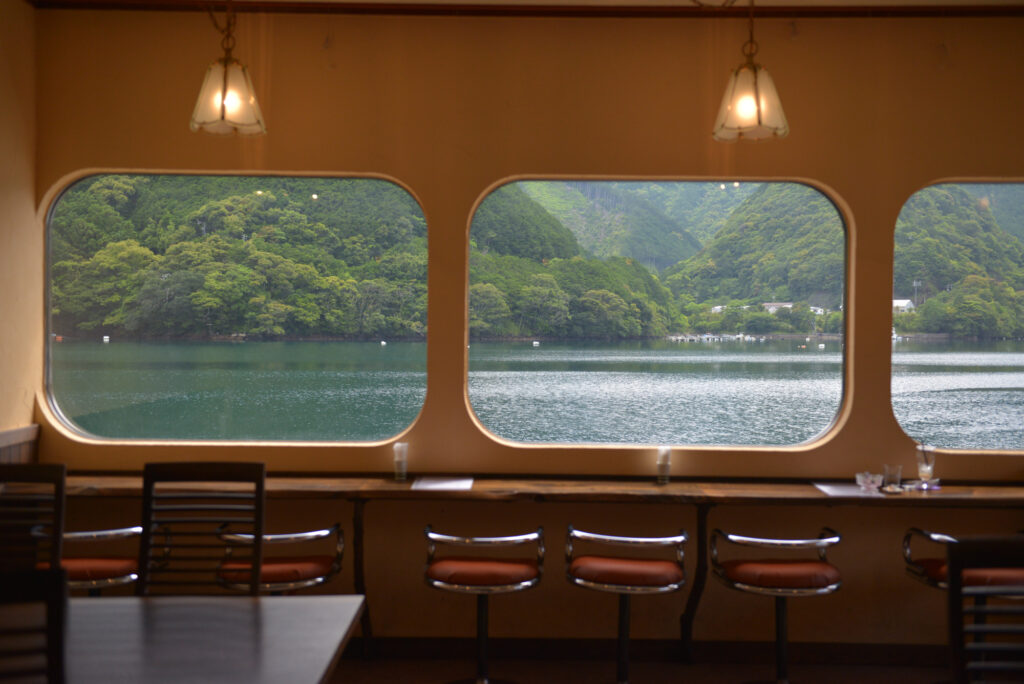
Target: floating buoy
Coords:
[[383, 343], [536, 343], [821, 346]]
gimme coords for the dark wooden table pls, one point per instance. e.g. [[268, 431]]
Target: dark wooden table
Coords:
[[704, 495], [222, 639]]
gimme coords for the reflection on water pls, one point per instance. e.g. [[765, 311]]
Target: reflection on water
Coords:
[[960, 395], [657, 393], [250, 391], [771, 393]]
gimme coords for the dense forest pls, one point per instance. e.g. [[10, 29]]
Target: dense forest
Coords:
[[266, 257]]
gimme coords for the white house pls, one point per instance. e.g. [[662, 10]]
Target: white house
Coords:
[[772, 307], [902, 305]]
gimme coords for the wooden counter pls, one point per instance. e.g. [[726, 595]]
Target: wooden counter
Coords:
[[584, 490], [704, 495]]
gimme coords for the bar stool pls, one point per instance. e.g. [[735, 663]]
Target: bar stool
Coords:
[[780, 578], [95, 573], [625, 576], [483, 575]]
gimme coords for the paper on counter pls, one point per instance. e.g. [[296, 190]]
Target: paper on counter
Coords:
[[831, 489], [443, 483]]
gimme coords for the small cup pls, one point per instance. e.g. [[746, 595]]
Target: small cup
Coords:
[[664, 464], [891, 476], [868, 481], [401, 461]]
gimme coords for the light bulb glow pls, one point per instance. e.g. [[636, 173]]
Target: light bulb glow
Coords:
[[747, 107], [231, 103]]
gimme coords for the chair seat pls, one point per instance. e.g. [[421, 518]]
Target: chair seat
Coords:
[[626, 571], [93, 569], [279, 569], [782, 574], [482, 572], [937, 571]]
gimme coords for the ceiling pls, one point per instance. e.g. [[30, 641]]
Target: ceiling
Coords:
[[696, 8]]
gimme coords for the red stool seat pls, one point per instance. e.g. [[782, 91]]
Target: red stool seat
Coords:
[[94, 569], [626, 571], [937, 571], [279, 569], [480, 572], [782, 574]]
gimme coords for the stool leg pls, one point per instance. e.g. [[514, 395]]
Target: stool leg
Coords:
[[622, 676], [781, 664], [481, 638]]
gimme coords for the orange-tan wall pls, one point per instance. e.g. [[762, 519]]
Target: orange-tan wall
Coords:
[[21, 235], [451, 106]]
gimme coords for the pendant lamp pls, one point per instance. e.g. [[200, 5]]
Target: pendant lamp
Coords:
[[751, 109], [227, 101]]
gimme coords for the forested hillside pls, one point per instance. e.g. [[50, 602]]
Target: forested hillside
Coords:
[[201, 258], [969, 271], [615, 219], [179, 256], [785, 242], [1005, 201]]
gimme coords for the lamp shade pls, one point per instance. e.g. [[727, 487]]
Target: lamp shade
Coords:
[[227, 101], [751, 108]]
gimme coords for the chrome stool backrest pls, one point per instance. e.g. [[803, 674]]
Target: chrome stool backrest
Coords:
[[820, 577], [625, 575], [496, 575]]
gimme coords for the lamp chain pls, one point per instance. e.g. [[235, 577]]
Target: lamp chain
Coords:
[[227, 42], [750, 47]]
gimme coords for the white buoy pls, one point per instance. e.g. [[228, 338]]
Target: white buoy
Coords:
[[536, 343], [383, 343], [821, 346]]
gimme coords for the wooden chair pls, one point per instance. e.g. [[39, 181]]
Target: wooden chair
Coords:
[[31, 515], [625, 576], [185, 509], [986, 646], [779, 578], [279, 574], [33, 609], [483, 575]]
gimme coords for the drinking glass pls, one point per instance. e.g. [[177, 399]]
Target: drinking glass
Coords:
[[925, 464], [891, 476], [401, 450]]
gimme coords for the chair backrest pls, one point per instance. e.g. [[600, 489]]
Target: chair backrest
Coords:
[[186, 507], [993, 641], [31, 515], [33, 608]]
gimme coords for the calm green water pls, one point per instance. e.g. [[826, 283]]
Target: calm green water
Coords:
[[248, 391], [772, 393]]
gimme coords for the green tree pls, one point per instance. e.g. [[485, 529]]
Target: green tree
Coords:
[[489, 313], [602, 314]]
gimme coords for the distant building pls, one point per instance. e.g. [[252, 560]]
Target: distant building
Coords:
[[818, 311], [717, 309], [902, 305], [772, 307]]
